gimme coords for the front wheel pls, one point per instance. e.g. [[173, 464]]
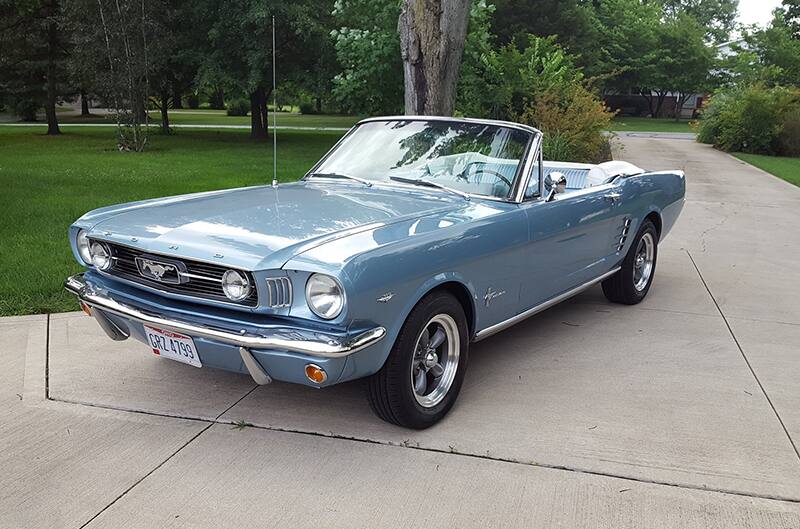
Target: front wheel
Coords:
[[631, 284], [422, 376]]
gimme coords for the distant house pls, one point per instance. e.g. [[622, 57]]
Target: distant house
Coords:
[[634, 103]]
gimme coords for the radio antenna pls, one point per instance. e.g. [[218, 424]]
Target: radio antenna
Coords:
[[274, 114]]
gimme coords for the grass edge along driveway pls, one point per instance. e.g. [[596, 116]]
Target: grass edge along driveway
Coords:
[[781, 166]]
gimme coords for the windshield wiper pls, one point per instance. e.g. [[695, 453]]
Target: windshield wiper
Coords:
[[347, 177], [428, 183]]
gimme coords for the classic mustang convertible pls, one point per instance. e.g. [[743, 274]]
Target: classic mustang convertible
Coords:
[[411, 238]]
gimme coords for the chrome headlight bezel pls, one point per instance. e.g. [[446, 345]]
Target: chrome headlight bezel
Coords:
[[235, 279], [101, 255], [319, 287], [83, 244]]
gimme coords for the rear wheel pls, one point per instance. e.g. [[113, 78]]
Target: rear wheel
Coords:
[[422, 376], [631, 284]]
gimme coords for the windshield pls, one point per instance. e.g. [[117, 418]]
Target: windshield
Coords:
[[468, 157]]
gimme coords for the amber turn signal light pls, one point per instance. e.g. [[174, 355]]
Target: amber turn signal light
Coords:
[[316, 374], [85, 308]]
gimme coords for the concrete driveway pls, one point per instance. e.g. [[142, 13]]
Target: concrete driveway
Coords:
[[683, 411]]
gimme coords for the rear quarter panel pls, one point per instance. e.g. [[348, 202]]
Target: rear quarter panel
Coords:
[[661, 192]]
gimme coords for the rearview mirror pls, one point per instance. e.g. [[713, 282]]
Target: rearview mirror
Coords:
[[554, 183]]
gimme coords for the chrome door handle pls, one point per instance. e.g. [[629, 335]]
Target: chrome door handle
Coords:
[[613, 197]]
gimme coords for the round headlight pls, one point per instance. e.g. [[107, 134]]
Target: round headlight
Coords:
[[83, 243], [101, 256], [324, 296], [235, 285]]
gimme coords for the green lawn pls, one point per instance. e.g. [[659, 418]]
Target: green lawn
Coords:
[[219, 117], [782, 167], [48, 182], [650, 125]]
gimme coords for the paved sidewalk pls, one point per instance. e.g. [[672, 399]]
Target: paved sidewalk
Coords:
[[683, 411]]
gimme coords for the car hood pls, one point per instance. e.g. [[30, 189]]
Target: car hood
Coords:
[[262, 227]]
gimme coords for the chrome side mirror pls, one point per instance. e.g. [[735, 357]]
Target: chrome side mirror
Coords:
[[554, 183]]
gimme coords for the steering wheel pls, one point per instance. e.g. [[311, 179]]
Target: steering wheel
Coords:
[[463, 174]]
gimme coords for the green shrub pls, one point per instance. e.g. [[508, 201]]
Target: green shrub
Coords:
[[238, 107], [307, 107], [193, 101], [789, 136], [753, 119], [26, 109], [573, 121]]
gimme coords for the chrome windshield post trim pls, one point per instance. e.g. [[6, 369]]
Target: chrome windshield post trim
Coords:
[[310, 342], [503, 325], [531, 156]]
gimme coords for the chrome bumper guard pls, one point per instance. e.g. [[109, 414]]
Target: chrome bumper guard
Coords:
[[296, 340]]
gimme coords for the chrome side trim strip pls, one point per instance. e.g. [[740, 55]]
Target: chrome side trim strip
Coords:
[[503, 325], [260, 376], [308, 342]]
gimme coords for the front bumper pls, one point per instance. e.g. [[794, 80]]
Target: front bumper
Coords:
[[308, 342]]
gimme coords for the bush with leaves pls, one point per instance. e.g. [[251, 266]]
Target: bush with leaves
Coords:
[[753, 119], [573, 121], [238, 107], [496, 83]]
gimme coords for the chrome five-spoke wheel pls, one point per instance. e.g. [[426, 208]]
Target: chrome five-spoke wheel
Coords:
[[632, 282], [421, 378], [643, 261], [435, 362]]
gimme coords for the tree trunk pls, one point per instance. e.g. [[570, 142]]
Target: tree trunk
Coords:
[[217, 99], [177, 100], [50, 105], [682, 98], [432, 34], [648, 95], [165, 112], [84, 104], [660, 103], [257, 99]]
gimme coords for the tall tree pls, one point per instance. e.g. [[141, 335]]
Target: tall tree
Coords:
[[32, 51], [239, 53], [717, 17], [174, 50], [368, 51], [570, 21], [683, 63], [626, 44], [791, 10], [432, 35]]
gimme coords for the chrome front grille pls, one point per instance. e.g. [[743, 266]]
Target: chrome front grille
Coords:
[[279, 292], [201, 280]]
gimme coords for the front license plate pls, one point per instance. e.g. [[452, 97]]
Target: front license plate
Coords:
[[172, 345]]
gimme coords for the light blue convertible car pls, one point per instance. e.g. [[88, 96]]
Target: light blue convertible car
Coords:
[[410, 239]]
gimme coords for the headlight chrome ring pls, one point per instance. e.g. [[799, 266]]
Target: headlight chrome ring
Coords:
[[236, 285], [82, 242], [101, 255], [325, 296]]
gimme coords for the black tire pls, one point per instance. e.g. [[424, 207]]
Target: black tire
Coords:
[[391, 392], [620, 288]]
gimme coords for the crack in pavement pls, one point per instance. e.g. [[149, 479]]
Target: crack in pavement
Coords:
[[744, 356], [406, 445], [162, 463]]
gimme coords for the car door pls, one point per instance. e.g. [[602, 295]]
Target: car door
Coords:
[[572, 239]]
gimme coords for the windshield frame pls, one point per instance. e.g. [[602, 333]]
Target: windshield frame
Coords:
[[521, 177]]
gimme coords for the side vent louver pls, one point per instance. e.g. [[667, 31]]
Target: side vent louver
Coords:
[[626, 226], [279, 292]]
